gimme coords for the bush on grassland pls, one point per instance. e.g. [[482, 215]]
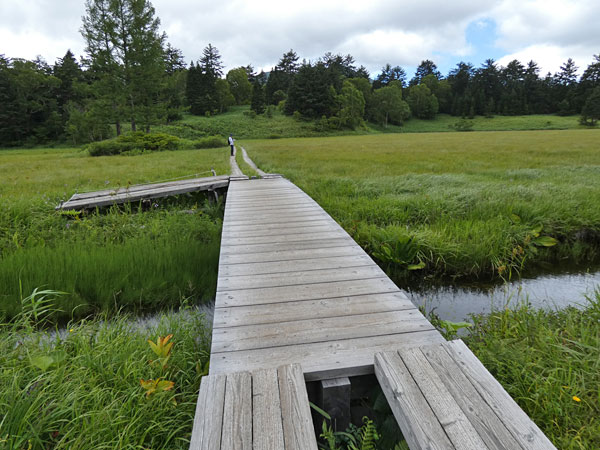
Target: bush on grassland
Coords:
[[210, 142], [136, 141]]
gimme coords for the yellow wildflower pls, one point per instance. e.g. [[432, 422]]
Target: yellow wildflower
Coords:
[[577, 399]]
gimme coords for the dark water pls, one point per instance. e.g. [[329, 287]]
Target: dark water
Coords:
[[550, 291]]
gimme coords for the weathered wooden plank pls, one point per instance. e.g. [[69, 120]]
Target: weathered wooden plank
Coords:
[[518, 423], [265, 209], [454, 422], [142, 187], [346, 248], [335, 262], [237, 415], [250, 187], [488, 425], [242, 197], [259, 203], [317, 330], [298, 278], [322, 360], [267, 429], [259, 232], [281, 247], [310, 309], [305, 292], [208, 420], [279, 238], [288, 214], [298, 431], [277, 227], [419, 425], [285, 218]]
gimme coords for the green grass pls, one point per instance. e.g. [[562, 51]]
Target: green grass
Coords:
[[547, 361], [465, 204], [445, 123], [125, 258], [89, 396], [244, 126]]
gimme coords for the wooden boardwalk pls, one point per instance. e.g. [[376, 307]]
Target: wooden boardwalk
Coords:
[[294, 287], [298, 300]]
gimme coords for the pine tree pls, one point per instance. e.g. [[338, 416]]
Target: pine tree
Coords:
[[258, 103], [590, 113], [126, 53]]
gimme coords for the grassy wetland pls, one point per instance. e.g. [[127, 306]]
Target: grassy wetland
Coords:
[[122, 258], [478, 205], [97, 383], [430, 206], [454, 205]]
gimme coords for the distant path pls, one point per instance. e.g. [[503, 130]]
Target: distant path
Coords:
[[235, 169], [255, 167]]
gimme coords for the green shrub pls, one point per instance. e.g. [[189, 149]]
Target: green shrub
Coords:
[[210, 142], [137, 141], [463, 125]]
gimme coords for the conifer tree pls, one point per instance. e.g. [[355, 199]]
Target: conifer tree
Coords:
[[126, 53], [258, 103]]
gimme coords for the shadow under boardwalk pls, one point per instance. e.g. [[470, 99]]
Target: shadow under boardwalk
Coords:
[[294, 287]]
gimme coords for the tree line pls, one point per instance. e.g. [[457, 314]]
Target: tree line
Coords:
[[131, 75]]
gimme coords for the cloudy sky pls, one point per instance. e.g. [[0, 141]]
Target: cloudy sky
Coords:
[[375, 32]]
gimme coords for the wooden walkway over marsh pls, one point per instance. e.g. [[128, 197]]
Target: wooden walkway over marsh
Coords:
[[294, 287], [298, 300]]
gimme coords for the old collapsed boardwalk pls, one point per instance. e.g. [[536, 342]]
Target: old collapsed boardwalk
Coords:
[[139, 192], [294, 287]]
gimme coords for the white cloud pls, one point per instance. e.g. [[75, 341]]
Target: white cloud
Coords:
[[550, 57], [548, 31], [400, 32]]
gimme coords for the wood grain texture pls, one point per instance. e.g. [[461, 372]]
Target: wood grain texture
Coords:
[[491, 429], [343, 249], [260, 232], [335, 262], [305, 292], [283, 227], [315, 243], [318, 330], [298, 432], [420, 427], [284, 238], [322, 360], [455, 423], [518, 423], [267, 430], [303, 277], [237, 415], [310, 309], [208, 420]]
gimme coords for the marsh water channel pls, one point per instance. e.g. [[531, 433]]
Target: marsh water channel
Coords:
[[548, 291]]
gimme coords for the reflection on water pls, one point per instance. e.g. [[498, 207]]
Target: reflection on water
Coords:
[[547, 291]]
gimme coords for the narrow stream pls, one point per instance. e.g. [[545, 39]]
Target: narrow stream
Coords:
[[549, 291]]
